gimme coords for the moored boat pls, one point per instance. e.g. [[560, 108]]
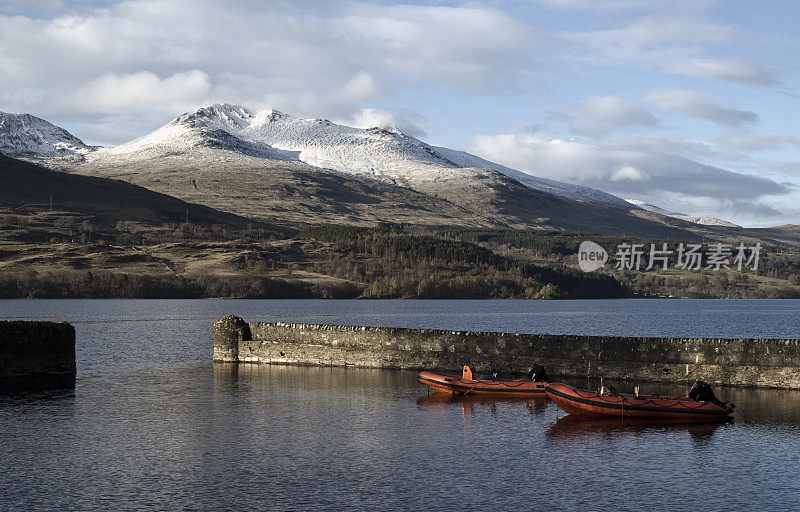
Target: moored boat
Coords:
[[468, 385], [700, 405]]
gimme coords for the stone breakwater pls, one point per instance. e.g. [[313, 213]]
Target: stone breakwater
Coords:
[[38, 350], [768, 363]]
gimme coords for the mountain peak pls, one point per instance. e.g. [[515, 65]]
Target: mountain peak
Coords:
[[28, 136], [218, 115]]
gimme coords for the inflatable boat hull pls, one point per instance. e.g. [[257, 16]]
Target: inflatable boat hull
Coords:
[[453, 384], [579, 402]]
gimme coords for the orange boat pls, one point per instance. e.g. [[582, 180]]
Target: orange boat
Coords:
[[701, 405], [467, 385]]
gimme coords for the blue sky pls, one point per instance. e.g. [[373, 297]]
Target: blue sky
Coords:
[[689, 105]]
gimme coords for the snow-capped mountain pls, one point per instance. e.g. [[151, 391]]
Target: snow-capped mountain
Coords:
[[706, 221], [381, 153], [384, 154], [27, 136], [236, 135]]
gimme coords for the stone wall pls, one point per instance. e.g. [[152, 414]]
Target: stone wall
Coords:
[[735, 362], [36, 350]]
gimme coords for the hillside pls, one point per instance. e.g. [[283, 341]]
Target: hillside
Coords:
[[26, 188]]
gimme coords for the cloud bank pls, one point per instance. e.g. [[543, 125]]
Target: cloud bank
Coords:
[[632, 173]]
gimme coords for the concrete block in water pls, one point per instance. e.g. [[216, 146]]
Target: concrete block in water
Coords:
[[36, 350], [229, 332]]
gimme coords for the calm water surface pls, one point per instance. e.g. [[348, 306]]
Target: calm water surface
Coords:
[[152, 424]]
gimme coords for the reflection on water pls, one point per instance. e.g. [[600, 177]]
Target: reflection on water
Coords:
[[21, 385], [223, 436], [575, 427], [152, 424], [469, 403]]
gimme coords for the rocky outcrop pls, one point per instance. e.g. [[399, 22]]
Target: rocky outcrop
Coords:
[[766, 363]]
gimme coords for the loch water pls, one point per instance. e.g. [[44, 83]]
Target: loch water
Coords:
[[152, 423]]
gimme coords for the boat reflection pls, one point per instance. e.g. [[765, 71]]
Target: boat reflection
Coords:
[[23, 385], [469, 403], [577, 426]]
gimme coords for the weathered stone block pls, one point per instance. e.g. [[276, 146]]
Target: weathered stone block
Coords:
[[36, 350]]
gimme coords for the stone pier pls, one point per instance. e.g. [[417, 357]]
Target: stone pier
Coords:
[[36, 354], [764, 363]]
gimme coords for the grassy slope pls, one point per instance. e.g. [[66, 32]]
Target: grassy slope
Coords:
[[301, 194], [285, 192], [28, 187]]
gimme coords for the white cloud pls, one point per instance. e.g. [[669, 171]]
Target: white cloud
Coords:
[[476, 48], [693, 150], [698, 105], [628, 5], [325, 59], [144, 91], [759, 141], [628, 173], [782, 167], [362, 85], [117, 69], [669, 36], [654, 41], [601, 115], [729, 70], [405, 121]]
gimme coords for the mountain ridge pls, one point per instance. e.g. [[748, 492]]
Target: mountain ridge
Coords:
[[25, 135], [261, 144], [377, 152]]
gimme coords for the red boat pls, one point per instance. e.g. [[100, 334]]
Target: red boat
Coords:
[[467, 385], [576, 401]]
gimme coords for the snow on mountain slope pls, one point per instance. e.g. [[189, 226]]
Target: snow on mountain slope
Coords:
[[216, 127], [706, 221], [558, 188], [387, 154], [27, 136], [382, 153], [271, 134]]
